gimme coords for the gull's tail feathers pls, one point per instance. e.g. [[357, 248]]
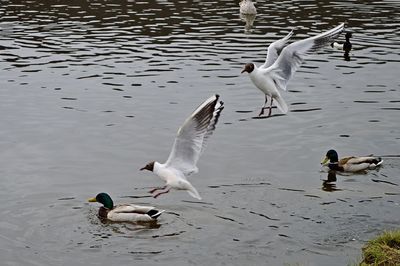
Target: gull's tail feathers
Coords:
[[193, 192], [281, 104]]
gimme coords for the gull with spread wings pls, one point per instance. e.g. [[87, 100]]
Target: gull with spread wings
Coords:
[[281, 64], [190, 142]]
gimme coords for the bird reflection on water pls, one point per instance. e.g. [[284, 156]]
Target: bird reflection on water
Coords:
[[249, 20], [346, 56], [329, 184]]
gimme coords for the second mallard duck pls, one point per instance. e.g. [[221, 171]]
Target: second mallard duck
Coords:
[[125, 212], [351, 163]]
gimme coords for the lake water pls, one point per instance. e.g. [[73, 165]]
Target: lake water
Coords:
[[92, 91]]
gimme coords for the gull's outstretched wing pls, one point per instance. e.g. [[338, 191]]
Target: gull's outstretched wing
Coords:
[[293, 55], [192, 136], [274, 50]]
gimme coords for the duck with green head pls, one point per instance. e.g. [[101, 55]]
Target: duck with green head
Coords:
[[350, 163], [125, 212]]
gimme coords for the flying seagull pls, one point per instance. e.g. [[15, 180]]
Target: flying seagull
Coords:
[[190, 142], [281, 64]]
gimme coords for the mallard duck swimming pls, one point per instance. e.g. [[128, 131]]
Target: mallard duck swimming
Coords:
[[351, 163], [126, 212], [346, 46], [247, 7]]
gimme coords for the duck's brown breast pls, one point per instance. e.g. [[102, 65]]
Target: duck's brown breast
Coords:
[[103, 212]]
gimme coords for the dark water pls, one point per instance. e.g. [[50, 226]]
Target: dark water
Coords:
[[91, 91]]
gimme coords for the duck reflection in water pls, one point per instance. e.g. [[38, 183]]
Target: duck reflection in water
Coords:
[[329, 184], [346, 56]]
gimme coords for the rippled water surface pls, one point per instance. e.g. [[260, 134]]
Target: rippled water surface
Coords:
[[92, 91]]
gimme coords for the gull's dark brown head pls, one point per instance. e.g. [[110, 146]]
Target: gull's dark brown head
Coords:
[[249, 67], [149, 166]]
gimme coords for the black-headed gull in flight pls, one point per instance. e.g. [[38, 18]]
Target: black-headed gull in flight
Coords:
[[281, 64], [190, 142]]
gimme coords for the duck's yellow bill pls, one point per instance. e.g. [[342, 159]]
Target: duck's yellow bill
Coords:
[[92, 200], [324, 161]]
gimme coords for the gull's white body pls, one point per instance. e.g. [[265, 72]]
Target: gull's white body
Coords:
[[265, 83], [175, 179], [189, 143], [283, 61]]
